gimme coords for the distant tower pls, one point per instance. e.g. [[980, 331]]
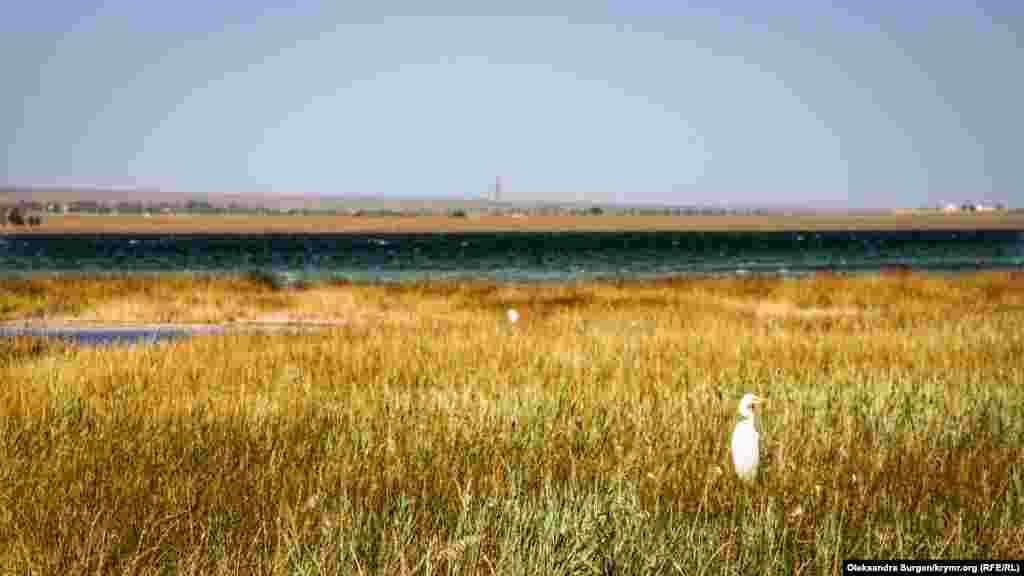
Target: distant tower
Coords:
[[498, 185]]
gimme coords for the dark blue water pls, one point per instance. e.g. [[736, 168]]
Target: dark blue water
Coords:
[[517, 255]]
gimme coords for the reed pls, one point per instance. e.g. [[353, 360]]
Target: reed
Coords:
[[424, 432]]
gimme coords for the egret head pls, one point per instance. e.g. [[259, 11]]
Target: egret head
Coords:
[[747, 404]]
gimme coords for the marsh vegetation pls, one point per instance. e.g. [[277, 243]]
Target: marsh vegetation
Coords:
[[423, 432]]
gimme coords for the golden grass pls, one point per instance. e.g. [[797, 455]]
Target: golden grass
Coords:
[[429, 434], [281, 224]]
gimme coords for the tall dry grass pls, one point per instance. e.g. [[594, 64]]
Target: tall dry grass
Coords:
[[430, 435]]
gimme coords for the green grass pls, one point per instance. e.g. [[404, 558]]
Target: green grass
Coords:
[[432, 436]]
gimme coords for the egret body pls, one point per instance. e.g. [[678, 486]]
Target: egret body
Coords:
[[745, 440]]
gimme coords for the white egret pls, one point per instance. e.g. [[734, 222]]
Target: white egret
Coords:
[[513, 316], [745, 440]]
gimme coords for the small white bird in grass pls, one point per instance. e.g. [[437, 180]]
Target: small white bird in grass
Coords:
[[513, 316], [745, 440]]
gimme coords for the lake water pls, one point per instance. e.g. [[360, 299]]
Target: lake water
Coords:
[[516, 256], [142, 334], [107, 335]]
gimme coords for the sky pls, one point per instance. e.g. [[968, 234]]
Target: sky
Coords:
[[856, 104]]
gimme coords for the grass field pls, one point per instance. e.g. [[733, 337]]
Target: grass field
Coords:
[[426, 434], [258, 224]]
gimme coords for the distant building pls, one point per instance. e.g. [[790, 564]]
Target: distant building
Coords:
[[970, 207]]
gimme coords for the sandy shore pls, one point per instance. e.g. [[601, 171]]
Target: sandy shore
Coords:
[[321, 223]]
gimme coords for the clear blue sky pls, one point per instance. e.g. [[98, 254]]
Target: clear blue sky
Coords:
[[864, 103]]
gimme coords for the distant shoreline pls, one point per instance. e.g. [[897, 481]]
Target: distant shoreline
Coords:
[[326, 224]]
